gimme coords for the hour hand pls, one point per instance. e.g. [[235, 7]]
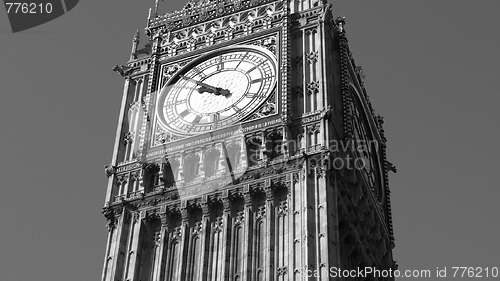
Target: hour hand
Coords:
[[214, 90], [224, 92], [205, 88]]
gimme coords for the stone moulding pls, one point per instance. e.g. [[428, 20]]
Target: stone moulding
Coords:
[[172, 198]]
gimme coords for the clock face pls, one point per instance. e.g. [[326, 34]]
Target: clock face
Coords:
[[217, 90]]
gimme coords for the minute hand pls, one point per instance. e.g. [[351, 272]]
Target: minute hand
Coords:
[[207, 88]]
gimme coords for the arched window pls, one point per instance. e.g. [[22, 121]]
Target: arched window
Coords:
[[170, 172], [274, 145], [254, 150], [211, 163], [233, 154], [151, 177], [191, 167], [300, 142]]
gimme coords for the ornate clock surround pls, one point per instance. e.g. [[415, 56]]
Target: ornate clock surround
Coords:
[[171, 66], [246, 73]]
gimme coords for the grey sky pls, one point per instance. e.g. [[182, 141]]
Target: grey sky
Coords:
[[431, 70]]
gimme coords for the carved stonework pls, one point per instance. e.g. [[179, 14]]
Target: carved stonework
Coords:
[[135, 217], [197, 228], [177, 233], [312, 57], [212, 25], [340, 22], [121, 179], [128, 137], [218, 224], [239, 218], [261, 213], [359, 72], [320, 172], [157, 236], [123, 70], [168, 72], [111, 216], [268, 43], [162, 136], [313, 129], [226, 203], [109, 170], [267, 109], [283, 209], [312, 31], [282, 270], [313, 87], [245, 201]]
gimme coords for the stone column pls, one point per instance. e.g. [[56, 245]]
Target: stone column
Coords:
[[224, 161], [137, 224], [247, 231], [269, 271], [116, 247], [243, 152], [159, 266], [282, 236], [204, 240], [226, 236], [108, 258], [184, 243]]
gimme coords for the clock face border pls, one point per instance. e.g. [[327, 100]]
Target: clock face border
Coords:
[[164, 93]]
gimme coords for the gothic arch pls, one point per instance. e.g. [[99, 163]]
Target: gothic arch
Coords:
[[211, 162], [171, 170], [254, 150], [233, 153], [191, 167]]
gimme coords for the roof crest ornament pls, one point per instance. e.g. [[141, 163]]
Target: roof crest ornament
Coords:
[[199, 11]]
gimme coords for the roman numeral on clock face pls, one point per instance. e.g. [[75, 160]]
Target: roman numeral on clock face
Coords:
[[197, 119], [216, 117], [184, 113], [255, 66], [236, 109], [220, 65]]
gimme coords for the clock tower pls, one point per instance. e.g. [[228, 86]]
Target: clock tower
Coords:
[[247, 149]]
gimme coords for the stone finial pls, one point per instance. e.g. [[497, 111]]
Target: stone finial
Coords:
[[340, 22], [156, 8], [136, 36]]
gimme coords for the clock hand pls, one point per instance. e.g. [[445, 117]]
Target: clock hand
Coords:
[[220, 91], [214, 90], [207, 88]]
